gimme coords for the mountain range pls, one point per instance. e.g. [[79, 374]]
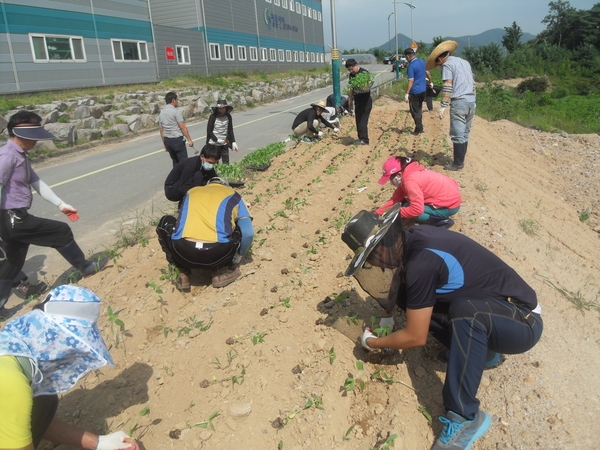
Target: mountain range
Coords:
[[477, 40]]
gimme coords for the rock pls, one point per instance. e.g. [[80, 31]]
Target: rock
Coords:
[[82, 112], [240, 410], [64, 132]]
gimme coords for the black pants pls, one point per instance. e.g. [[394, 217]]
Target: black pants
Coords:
[[186, 255], [42, 414], [176, 148], [362, 109], [19, 230], [415, 103], [224, 154]]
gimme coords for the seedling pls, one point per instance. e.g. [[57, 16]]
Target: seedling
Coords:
[[231, 355], [208, 423], [346, 436], [312, 251], [584, 215], [332, 355], [238, 379], [116, 324], [170, 273], [193, 323], [352, 317], [156, 288], [351, 382], [258, 338], [339, 298], [281, 214], [423, 411], [529, 227], [383, 376], [388, 443], [191, 405], [286, 302]]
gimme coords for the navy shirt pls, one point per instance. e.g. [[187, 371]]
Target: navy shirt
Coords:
[[441, 266]]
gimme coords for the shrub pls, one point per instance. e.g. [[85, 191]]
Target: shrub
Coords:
[[534, 85]]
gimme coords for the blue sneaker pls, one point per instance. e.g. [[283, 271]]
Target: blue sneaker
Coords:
[[459, 433], [492, 359]]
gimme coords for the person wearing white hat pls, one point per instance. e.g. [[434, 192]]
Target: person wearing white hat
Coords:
[[458, 291], [18, 228], [43, 353], [458, 93], [306, 123]]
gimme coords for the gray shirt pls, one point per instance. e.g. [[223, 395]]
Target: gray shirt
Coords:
[[169, 119], [459, 71]]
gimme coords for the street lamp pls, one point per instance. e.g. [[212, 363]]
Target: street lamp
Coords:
[[411, 6], [389, 38]]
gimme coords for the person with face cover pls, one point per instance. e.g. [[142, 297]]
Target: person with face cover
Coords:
[[454, 289], [219, 129], [426, 196], [43, 353]]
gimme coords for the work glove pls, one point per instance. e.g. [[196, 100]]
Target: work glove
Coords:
[[68, 211], [336, 130], [235, 147], [319, 134], [406, 97], [119, 440], [221, 141], [441, 112], [367, 335]]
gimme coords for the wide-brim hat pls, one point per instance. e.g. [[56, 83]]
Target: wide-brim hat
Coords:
[[33, 132], [446, 46], [364, 231], [320, 104], [222, 103]]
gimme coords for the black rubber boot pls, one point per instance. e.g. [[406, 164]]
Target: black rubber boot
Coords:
[[5, 289], [73, 254], [440, 222], [460, 150]]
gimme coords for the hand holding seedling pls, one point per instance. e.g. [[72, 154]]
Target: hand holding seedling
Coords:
[[69, 211]]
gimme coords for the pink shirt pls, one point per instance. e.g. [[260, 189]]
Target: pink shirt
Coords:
[[16, 176]]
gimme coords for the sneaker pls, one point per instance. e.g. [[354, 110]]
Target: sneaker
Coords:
[[453, 167], [182, 283], [27, 289], [459, 433], [307, 139], [93, 267], [492, 359], [361, 142], [223, 277]]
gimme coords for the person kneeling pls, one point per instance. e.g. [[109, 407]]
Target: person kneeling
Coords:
[[212, 232]]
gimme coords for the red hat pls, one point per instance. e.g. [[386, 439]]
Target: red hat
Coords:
[[390, 167]]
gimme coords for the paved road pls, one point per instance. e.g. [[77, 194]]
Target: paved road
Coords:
[[114, 185]]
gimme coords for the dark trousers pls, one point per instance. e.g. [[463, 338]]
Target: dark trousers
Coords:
[[186, 255], [429, 99], [176, 148], [19, 230], [471, 327], [362, 109], [42, 414], [415, 103], [224, 154]]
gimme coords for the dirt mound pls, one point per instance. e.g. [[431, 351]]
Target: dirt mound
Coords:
[[265, 360]]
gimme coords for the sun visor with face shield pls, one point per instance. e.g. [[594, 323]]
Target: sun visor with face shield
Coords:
[[376, 282]]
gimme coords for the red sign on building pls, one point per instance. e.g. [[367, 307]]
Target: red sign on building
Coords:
[[170, 53]]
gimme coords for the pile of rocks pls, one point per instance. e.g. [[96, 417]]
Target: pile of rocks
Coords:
[[93, 118]]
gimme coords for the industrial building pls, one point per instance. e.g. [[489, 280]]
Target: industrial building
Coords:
[[64, 44]]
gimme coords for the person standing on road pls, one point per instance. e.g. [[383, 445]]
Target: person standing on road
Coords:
[[415, 91], [219, 129], [306, 123], [18, 228], [458, 92], [173, 131], [459, 292], [213, 231], [361, 100]]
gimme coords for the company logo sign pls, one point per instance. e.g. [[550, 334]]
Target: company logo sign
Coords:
[[275, 21]]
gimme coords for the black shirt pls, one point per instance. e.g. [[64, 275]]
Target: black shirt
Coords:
[[185, 175], [309, 115]]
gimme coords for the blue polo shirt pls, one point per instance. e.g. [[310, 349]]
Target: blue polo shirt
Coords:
[[416, 71]]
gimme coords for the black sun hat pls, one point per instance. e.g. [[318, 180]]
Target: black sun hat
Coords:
[[33, 132], [222, 103]]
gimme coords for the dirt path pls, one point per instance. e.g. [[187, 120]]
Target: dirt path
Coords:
[[221, 369]]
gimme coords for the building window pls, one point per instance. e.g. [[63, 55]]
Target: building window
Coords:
[[310, 12], [268, 1], [298, 10], [183, 54], [242, 52], [228, 49], [288, 55], [263, 54], [312, 57], [284, 4], [273, 54], [281, 55], [253, 54], [276, 2], [47, 48], [320, 16], [129, 50], [303, 10], [301, 56], [295, 55], [215, 51]]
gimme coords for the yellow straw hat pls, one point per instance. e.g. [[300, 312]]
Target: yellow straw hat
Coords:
[[446, 46]]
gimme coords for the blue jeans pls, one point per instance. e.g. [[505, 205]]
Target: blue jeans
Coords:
[[461, 117], [470, 327]]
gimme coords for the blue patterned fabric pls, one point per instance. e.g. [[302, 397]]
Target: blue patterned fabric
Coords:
[[62, 348]]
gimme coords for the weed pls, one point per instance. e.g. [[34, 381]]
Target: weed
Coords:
[[331, 169], [346, 436], [584, 215], [208, 423], [258, 338], [352, 317], [317, 180], [193, 324], [191, 405], [231, 355], [481, 186], [332, 355], [281, 214], [321, 239], [132, 234], [387, 445], [155, 287], [339, 298], [387, 379], [576, 298], [423, 411], [529, 227], [166, 330], [170, 273], [116, 324]]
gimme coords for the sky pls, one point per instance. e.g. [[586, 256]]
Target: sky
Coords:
[[363, 24]]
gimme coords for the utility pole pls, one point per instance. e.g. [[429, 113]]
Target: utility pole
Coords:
[[335, 62], [389, 38]]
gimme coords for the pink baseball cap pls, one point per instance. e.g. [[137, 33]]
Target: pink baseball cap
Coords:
[[390, 167]]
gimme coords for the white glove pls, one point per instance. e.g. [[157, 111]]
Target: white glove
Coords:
[[367, 335], [235, 147], [336, 130], [320, 133], [115, 441], [387, 321], [65, 208], [221, 141], [237, 258], [405, 97], [441, 112]]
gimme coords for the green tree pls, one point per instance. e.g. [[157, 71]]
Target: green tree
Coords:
[[437, 40], [511, 40], [559, 22]]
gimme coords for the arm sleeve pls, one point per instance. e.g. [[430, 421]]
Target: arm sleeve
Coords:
[[397, 197], [210, 126], [325, 122], [415, 197], [247, 230], [46, 193], [230, 135]]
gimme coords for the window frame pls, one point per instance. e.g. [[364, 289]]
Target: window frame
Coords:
[[253, 53], [273, 54], [304, 10], [229, 52], [298, 8], [186, 49], [264, 54], [242, 53], [142, 47], [301, 57], [276, 2], [214, 55], [74, 41], [288, 55], [295, 53]]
